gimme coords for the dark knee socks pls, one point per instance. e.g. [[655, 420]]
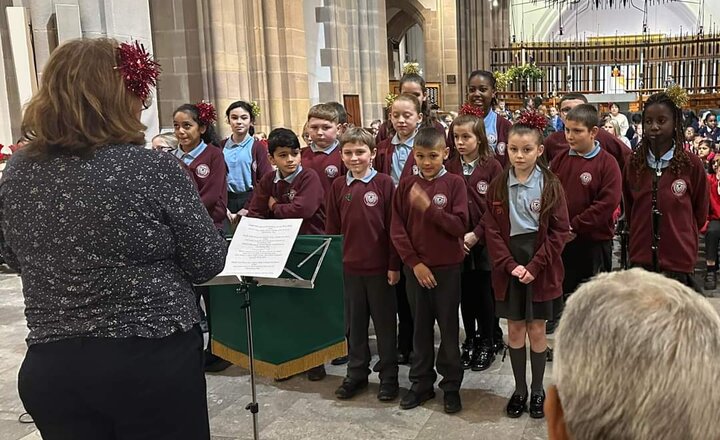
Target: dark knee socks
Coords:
[[518, 359], [537, 366]]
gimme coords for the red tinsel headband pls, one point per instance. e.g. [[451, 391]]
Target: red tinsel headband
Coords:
[[533, 120], [206, 113], [138, 69], [469, 109]]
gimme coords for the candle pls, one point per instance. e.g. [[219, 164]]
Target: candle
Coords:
[[523, 56], [641, 62], [568, 65]]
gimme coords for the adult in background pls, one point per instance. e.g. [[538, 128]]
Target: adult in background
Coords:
[[659, 381], [108, 238], [620, 118]]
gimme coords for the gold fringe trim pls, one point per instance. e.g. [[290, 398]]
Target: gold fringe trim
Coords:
[[284, 370]]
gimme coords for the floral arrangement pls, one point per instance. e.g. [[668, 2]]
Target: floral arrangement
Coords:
[[255, 109], [389, 99], [501, 80], [525, 71]]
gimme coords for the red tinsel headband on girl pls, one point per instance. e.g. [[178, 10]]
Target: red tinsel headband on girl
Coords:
[[138, 69], [469, 109], [206, 113], [533, 120]]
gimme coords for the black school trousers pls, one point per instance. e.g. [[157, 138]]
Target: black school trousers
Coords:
[[370, 296], [117, 388], [583, 259], [429, 305]]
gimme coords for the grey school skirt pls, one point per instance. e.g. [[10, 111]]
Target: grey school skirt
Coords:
[[518, 304]]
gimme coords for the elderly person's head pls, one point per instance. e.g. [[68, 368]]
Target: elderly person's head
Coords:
[[637, 356]]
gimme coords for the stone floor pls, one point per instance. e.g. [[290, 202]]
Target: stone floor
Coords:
[[297, 409]]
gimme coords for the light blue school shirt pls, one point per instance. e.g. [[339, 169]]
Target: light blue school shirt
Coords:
[[592, 153], [440, 173], [349, 179], [661, 163], [491, 130], [525, 202], [238, 158], [193, 154], [402, 152], [289, 179], [469, 167], [328, 150]]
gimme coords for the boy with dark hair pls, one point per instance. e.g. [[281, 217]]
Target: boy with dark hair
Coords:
[[430, 216], [291, 191], [593, 188], [359, 207], [323, 154], [342, 117]]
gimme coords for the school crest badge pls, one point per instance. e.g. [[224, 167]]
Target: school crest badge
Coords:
[[291, 194], [202, 171], [501, 148], [482, 187], [492, 139], [331, 171], [415, 170], [254, 165], [440, 201], [371, 198], [585, 178], [679, 187], [535, 206]]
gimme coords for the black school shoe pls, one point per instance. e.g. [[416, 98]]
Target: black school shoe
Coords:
[[451, 402], [342, 360], [466, 355], [215, 364], [483, 357], [516, 406], [350, 388], [411, 399], [537, 402], [388, 392], [316, 373], [550, 327], [403, 358]]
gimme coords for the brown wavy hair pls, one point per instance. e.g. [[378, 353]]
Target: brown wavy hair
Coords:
[[680, 160], [478, 129], [552, 191], [82, 103]]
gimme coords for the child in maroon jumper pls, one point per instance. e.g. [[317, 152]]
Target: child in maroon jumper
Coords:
[[592, 181], [712, 228], [359, 207], [323, 154], [430, 215], [194, 130], [292, 191], [526, 227], [478, 166], [666, 195]]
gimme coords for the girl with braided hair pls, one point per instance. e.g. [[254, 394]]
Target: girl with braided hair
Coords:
[[665, 193]]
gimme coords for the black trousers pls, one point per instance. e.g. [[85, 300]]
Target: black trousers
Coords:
[[583, 259], [370, 297], [712, 237], [429, 305], [405, 319], [477, 305], [117, 389]]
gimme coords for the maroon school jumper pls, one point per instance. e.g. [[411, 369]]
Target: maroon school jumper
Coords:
[[303, 198], [556, 144], [327, 166], [546, 264], [210, 174], [502, 127], [477, 186], [383, 160], [683, 202], [433, 237], [260, 162], [361, 212], [593, 189]]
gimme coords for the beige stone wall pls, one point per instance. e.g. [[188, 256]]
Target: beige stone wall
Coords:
[[441, 51]]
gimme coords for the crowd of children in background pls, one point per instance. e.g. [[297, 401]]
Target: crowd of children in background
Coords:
[[500, 214]]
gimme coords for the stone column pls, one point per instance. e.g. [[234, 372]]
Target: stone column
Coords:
[[441, 51], [480, 27]]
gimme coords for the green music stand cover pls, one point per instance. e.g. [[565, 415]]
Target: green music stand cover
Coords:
[[294, 329]]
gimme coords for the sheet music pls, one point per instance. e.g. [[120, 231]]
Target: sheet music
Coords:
[[260, 248]]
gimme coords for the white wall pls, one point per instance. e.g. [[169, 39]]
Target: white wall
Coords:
[[314, 41], [535, 22]]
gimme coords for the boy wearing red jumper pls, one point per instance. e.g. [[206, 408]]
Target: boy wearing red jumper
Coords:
[[430, 215], [556, 144], [592, 182], [323, 153], [712, 233], [359, 207], [291, 191]]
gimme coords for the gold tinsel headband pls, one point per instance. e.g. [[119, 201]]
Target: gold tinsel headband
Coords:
[[677, 95]]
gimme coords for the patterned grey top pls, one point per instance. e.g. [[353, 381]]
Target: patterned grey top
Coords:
[[108, 246]]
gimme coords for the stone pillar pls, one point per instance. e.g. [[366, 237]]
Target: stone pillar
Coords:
[[480, 27], [441, 52]]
